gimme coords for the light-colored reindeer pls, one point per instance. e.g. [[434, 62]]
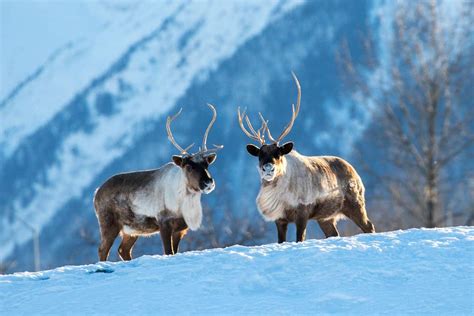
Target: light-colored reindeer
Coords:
[[165, 200], [297, 188]]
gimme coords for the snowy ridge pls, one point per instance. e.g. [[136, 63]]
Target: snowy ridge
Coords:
[[182, 44], [109, 44], [419, 271], [78, 59]]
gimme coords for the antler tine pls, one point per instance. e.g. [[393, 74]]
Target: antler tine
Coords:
[[170, 134], [214, 116], [288, 126], [260, 133], [270, 137], [267, 128], [264, 123], [204, 150], [298, 100], [249, 124], [241, 124], [252, 135], [264, 127], [212, 150], [295, 111], [188, 148]]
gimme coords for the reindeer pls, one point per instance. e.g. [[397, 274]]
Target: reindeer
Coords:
[[165, 200], [296, 188]]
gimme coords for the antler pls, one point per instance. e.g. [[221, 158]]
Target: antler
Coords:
[[170, 134], [204, 149], [295, 112], [258, 135]]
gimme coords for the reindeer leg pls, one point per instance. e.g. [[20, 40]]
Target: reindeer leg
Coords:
[[357, 213], [301, 223], [282, 227], [109, 230], [329, 228], [165, 233], [177, 235], [125, 248]]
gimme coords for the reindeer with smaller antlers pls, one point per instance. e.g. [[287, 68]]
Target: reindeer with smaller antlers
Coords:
[[296, 188], [165, 200]]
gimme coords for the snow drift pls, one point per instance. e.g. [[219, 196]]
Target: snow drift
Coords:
[[419, 271]]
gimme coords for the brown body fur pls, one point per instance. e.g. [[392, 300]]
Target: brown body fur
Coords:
[[297, 188], [114, 209], [165, 200], [321, 188]]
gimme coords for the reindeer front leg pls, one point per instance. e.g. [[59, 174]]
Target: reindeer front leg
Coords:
[[282, 226], [301, 222], [166, 232], [179, 229], [177, 236]]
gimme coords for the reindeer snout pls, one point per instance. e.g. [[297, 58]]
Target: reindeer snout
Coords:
[[208, 186], [268, 167], [268, 172]]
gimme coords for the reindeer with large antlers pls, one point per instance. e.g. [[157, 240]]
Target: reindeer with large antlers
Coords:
[[165, 200], [296, 188]]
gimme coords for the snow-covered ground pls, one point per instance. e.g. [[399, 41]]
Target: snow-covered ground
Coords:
[[418, 271]]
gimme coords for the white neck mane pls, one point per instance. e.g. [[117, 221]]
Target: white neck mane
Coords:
[[299, 183], [179, 200], [169, 192]]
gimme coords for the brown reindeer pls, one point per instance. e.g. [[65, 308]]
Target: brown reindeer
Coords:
[[165, 200], [297, 188]]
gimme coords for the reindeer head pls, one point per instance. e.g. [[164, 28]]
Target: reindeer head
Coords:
[[195, 166], [270, 156]]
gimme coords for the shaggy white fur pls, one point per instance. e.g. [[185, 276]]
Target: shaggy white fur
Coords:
[[169, 192], [299, 180]]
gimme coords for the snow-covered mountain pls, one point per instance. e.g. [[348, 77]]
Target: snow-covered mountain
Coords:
[[419, 272], [97, 106], [92, 100]]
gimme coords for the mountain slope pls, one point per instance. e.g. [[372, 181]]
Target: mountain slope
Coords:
[[418, 271], [112, 118], [125, 77]]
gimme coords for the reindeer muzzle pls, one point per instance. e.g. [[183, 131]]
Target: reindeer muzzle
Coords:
[[209, 186], [268, 171]]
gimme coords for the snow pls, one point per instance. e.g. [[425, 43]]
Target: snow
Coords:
[[418, 271], [214, 31], [30, 31], [84, 58], [226, 27]]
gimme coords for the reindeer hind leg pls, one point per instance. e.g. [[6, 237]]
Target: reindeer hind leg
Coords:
[[126, 246], [329, 228], [357, 213], [109, 230]]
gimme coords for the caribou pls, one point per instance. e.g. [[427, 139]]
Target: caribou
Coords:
[[165, 200], [296, 188]]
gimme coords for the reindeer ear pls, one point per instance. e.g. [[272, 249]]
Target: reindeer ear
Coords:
[[211, 158], [178, 160], [253, 150], [286, 148]]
